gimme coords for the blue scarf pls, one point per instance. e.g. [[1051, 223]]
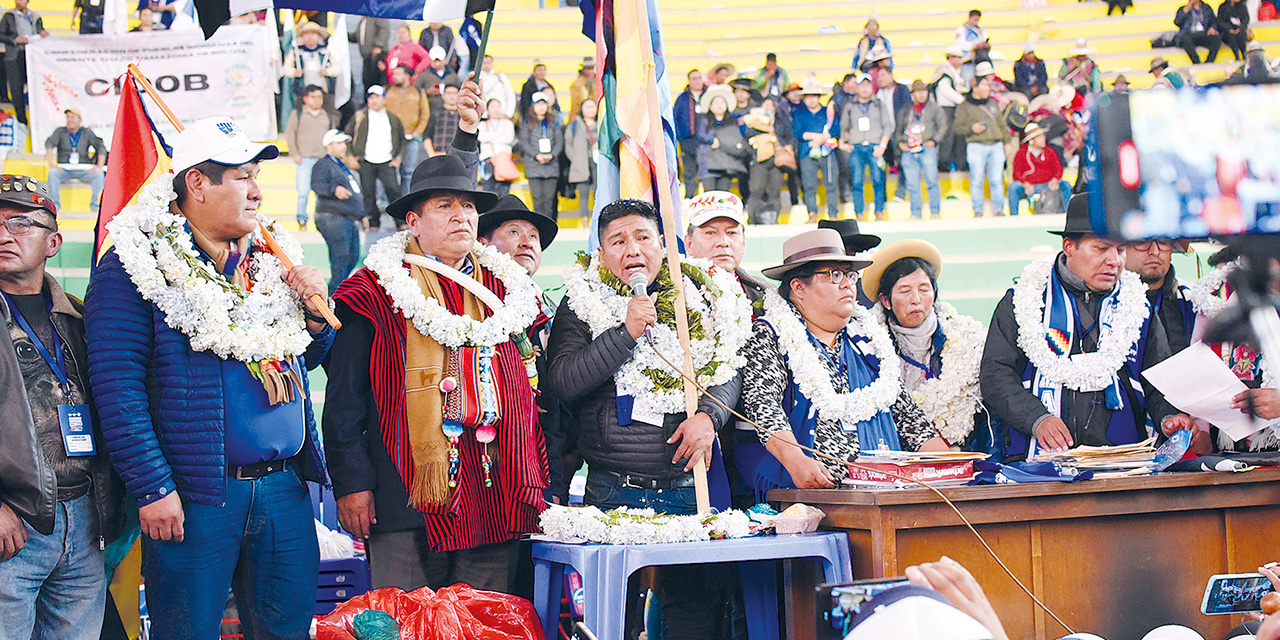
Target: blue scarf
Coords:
[[764, 472], [1064, 320]]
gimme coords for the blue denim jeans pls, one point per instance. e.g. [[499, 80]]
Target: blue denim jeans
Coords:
[[604, 492], [56, 587], [861, 160], [689, 595], [809, 168], [342, 235], [986, 162], [95, 178], [1017, 193], [913, 165], [262, 539], [413, 154], [302, 180]]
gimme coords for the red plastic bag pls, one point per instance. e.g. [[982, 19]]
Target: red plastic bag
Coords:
[[458, 612]]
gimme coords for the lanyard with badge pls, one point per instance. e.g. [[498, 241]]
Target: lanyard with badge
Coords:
[[544, 143], [75, 145], [77, 426]]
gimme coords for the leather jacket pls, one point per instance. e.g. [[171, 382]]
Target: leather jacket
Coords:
[[27, 481]]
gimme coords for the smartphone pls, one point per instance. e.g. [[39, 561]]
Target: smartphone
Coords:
[[1219, 176], [839, 604], [1234, 593]]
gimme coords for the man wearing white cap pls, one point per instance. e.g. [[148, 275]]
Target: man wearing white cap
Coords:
[[1029, 75], [199, 345], [717, 232], [339, 207], [949, 89], [433, 79], [377, 142]]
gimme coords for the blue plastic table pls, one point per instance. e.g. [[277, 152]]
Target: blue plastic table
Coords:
[[605, 569]]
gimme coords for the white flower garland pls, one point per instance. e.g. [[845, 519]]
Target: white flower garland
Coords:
[[950, 400], [726, 318], [160, 257], [1083, 371], [1203, 292], [811, 376], [639, 526], [429, 317]]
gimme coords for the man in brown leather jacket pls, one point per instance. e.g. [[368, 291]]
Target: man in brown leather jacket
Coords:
[[59, 499]]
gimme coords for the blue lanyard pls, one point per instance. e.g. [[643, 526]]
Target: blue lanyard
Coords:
[[58, 365], [909, 360], [342, 164], [75, 140]]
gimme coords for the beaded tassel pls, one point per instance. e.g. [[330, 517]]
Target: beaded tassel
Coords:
[[486, 463], [453, 463]]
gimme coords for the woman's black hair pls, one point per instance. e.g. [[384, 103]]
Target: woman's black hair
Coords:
[[905, 267], [804, 273]]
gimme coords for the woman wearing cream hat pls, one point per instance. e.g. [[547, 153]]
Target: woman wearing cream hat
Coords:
[[1079, 70], [940, 350]]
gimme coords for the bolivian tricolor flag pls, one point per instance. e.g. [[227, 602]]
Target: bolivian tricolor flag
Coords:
[[138, 156]]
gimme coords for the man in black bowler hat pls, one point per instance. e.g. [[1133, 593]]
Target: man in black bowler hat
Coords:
[[1088, 304], [855, 242], [436, 506], [523, 234]]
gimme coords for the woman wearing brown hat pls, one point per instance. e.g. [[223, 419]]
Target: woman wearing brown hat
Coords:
[[823, 374], [940, 350]]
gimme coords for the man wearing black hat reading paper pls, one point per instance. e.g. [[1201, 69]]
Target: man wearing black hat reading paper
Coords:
[[430, 425], [1066, 347]]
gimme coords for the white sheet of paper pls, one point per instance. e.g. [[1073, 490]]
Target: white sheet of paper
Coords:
[[1198, 382]]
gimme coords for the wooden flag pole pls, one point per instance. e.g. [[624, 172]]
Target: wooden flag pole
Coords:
[[671, 233], [318, 299]]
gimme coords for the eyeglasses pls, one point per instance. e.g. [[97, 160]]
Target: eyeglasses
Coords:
[[838, 275], [1163, 245], [22, 225]]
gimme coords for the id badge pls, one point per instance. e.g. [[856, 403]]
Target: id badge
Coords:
[[355, 184], [864, 124], [77, 429], [647, 416], [544, 145], [75, 157]]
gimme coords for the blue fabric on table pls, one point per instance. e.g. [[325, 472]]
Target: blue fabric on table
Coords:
[[1024, 472]]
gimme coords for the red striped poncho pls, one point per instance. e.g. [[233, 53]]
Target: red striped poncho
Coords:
[[474, 515]]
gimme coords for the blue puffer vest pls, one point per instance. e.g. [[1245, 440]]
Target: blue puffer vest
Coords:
[[160, 403]]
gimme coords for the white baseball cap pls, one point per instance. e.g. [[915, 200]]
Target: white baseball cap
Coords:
[[333, 135], [714, 204], [218, 139], [437, 53]]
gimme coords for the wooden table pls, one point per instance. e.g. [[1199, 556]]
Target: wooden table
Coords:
[[1114, 557]]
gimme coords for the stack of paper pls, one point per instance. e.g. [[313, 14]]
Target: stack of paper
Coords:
[[1137, 458], [909, 457]]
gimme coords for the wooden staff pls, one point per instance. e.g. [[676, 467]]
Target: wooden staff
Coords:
[[668, 207], [272, 244]]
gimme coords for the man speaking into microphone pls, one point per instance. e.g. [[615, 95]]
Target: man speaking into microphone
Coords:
[[634, 433]]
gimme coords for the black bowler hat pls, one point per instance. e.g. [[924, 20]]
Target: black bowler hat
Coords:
[[440, 173], [513, 208], [1078, 222], [854, 240]]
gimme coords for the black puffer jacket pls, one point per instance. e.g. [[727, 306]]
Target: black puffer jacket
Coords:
[[582, 374]]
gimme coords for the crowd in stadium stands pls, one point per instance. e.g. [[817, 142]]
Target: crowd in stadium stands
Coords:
[[777, 140]]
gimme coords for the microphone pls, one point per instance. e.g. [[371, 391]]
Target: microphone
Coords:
[[640, 286]]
